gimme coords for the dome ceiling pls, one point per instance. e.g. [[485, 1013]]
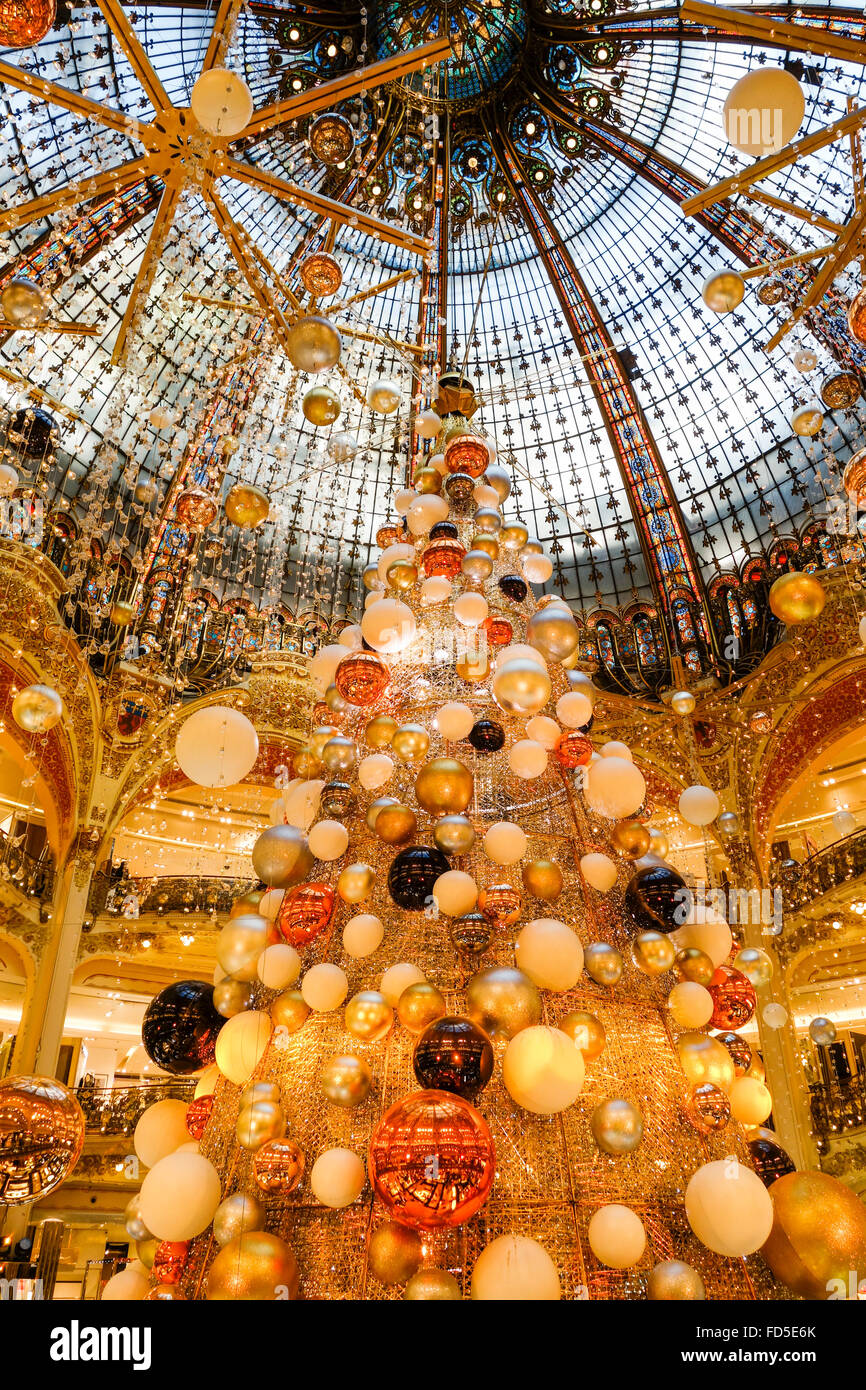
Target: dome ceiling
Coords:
[[545, 160]]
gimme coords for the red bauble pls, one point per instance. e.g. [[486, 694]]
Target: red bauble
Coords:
[[24, 22], [573, 750], [432, 1160], [169, 1260], [362, 678], [305, 912], [443, 557], [198, 1114], [499, 630], [734, 998]]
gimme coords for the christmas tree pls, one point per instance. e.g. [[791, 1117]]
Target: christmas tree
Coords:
[[463, 1038]]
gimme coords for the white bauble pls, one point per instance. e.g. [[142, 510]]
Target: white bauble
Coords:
[[471, 609], [375, 770], [278, 966], [843, 822], [180, 1195], [751, 1101], [763, 111], [323, 666], [614, 749], [160, 1131], [691, 1005], [324, 987], [400, 550], [505, 842], [527, 758], [403, 500], [519, 651], [544, 730], [728, 1208], [616, 1236], [240, 1046], [599, 871], [302, 803], [614, 788], [550, 953], [327, 840], [537, 568], [699, 805], [216, 746], [515, 1269], [424, 513], [337, 1178], [712, 936], [397, 978], [128, 1286], [351, 637], [389, 626], [574, 709], [427, 424], [221, 102], [434, 591], [542, 1069], [270, 903], [454, 720], [455, 892], [362, 935]]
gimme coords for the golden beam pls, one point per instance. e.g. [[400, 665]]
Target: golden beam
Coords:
[[377, 289], [71, 101], [83, 330], [237, 241], [816, 219], [844, 250], [160, 228], [221, 34], [801, 37], [138, 60], [794, 259], [80, 192]]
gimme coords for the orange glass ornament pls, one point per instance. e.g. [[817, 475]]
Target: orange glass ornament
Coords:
[[197, 1115], [432, 1160], [362, 678], [857, 316], [305, 912], [278, 1167], [499, 630], [196, 508], [500, 904], [709, 1108], [389, 534], [24, 22], [169, 1260], [573, 750], [734, 998], [443, 556], [467, 453]]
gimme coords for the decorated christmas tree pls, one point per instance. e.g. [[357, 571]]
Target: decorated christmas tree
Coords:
[[466, 1040]]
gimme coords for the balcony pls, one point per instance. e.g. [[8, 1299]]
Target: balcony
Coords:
[[831, 868], [130, 897], [116, 1110]]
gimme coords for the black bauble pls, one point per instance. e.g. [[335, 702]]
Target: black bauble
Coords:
[[769, 1160], [33, 431], [180, 1027], [444, 528], [453, 1054], [656, 899], [486, 736], [412, 874], [513, 587]]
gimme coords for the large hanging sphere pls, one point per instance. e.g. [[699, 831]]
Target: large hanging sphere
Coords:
[[729, 1208], [324, 987], [755, 964], [614, 788], [444, 786], [41, 1137], [654, 899], [321, 406], [216, 746], [332, 138], [179, 1196], [37, 708], [502, 1001], [797, 598], [389, 626], [221, 102], [321, 276], [543, 1071], [763, 111], [313, 344], [705, 1061], [734, 999], [517, 1269], [246, 506], [616, 1236], [281, 856], [412, 875], [751, 1102], [818, 1235], [305, 912], [553, 632], [674, 1281], [254, 1266], [699, 805], [22, 301], [180, 1027], [455, 1055], [432, 1160], [550, 954]]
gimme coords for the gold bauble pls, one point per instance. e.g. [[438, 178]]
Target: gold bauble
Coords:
[[339, 754], [355, 883], [376, 807], [586, 1032], [653, 952], [477, 566], [402, 575], [818, 1237], [420, 1005], [259, 1123], [335, 702], [658, 842], [247, 506], [630, 838], [428, 480], [553, 632], [239, 946], [394, 1253], [121, 612], [145, 1250], [682, 702], [723, 291], [281, 857], [617, 1126], [513, 535], [332, 138], [755, 964], [37, 708], [245, 905], [502, 1001], [290, 1011], [255, 1266], [396, 824], [260, 1090], [603, 963], [321, 406], [231, 997], [454, 835], [410, 743], [380, 731], [432, 1286], [693, 964], [23, 302], [797, 598], [313, 344], [235, 1216], [474, 667], [543, 879], [705, 1060], [444, 786], [488, 544], [307, 764], [346, 1080], [320, 736], [674, 1281], [371, 577], [521, 687], [368, 1015]]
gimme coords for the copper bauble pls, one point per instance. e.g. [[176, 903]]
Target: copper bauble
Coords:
[[165, 1293], [305, 912], [444, 786], [432, 1160], [41, 1137], [278, 1167], [500, 903], [734, 998], [709, 1108], [320, 274], [797, 598], [854, 480], [247, 506], [368, 1015], [818, 1239], [573, 749], [502, 1001], [362, 678], [617, 1126], [841, 391], [196, 508], [432, 1286], [256, 1266], [498, 630], [37, 708], [653, 952], [443, 558], [586, 1032], [705, 1059], [543, 879], [695, 965], [169, 1259], [857, 316], [454, 834], [198, 1113], [394, 1253], [630, 838], [395, 824], [380, 731], [419, 1006], [674, 1281], [346, 1080], [321, 406], [290, 1011]]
